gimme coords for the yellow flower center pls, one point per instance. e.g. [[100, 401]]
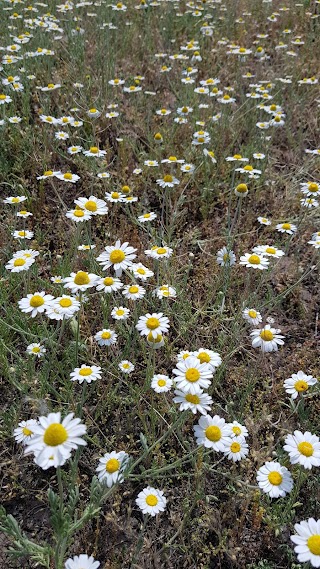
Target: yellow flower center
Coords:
[[161, 250], [125, 189], [313, 187], [133, 289], [235, 447], [172, 158], [85, 371], [192, 375], [65, 302], [213, 433], [158, 136], [314, 544], [125, 366], [108, 281], [152, 500], [203, 357], [266, 335], [23, 212], [92, 111], [48, 173], [152, 323], [115, 195], [271, 250], [286, 226], [163, 111], [15, 200], [67, 176], [242, 50], [141, 271], [22, 233], [91, 205], [105, 335], [226, 97], [81, 278], [301, 386], [259, 49], [254, 260], [248, 167], [2, 97], [236, 430], [78, 213], [36, 301], [50, 85], [252, 313], [94, 149], [112, 465], [55, 435], [117, 256], [275, 478], [162, 382], [19, 262], [153, 340], [277, 118], [184, 109], [119, 5], [237, 156], [242, 188], [192, 399], [147, 215], [167, 178], [36, 349], [305, 448]]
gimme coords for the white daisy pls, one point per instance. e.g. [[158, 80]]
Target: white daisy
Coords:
[[198, 402], [86, 373], [111, 467], [24, 432], [254, 261], [212, 432], [159, 252], [303, 448], [274, 479], [153, 324], [93, 205], [63, 307], [192, 375], [226, 257], [161, 383], [118, 256], [80, 281], [151, 501], [252, 316], [108, 284], [82, 561], [236, 449], [267, 338], [126, 367], [36, 349], [54, 440], [289, 228], [141, 272], [299, 383], [35, 303], [120, 313], [213, 359], [106, 337], [307, 540], [134, 292]]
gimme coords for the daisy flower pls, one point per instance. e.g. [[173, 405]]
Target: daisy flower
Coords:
[[161, 383], [274, 479], [159, 252], [36, 350], [15, 199], [147, 217], [168, 181], [213, 359], [153, 324], [188, 168], [86, 373], [236, 449], [151, 501], [93, 205], [212, 432], [63, 307], [120, 313], [106, 337], [35, 303], [264, 220], [141, 272], [299, 383], [241, 190], [93, 113], [225, 257], [289, 228], [303, 448], [192, 375], [111, 467], [80, 281], [24, 432], [18, 264], [78, 215], [267, 338], [269, 251], [238, 430], [94, 151], [68, 177], [118, 256], [74, 149], [54, 440], [126, 367], [165, 291], [198, 402], [82, 561], [134, 292], [252, 316], [22, 234], [108, 284], [307, 541], [254, 261]]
